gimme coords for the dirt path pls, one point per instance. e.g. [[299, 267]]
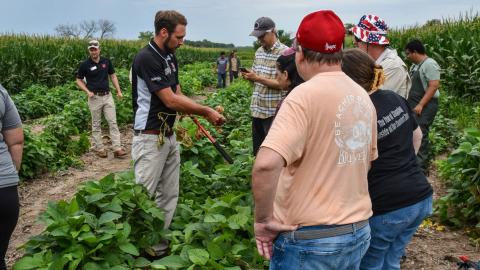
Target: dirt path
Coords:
[[436, 247], [35, 194], [431, 248]]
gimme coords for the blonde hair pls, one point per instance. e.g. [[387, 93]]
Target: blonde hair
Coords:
[[361, 68], [378, 79]]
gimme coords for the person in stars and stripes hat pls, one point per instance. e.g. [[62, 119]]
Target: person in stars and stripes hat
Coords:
[[371, 37]]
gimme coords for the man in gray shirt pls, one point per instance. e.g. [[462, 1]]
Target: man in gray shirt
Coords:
[[11, 149], [222, 63]]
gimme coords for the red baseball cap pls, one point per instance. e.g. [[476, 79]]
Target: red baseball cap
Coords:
[[321, 31]]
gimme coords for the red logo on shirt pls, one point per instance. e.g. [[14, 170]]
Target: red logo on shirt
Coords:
[[104, 65]]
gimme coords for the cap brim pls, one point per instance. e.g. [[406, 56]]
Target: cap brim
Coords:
[[258, 33], [96, 47]]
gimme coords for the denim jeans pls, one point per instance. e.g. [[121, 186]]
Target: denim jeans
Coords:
[[221, 80], [338, 252], [391, 232]]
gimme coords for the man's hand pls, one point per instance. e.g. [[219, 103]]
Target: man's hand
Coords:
[[90, 94], [250, 75], [418, 109], [119, 94], [266, 233], [215, 117]]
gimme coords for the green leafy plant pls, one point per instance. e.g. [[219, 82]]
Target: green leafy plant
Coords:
[[106, 226], [461, 171]]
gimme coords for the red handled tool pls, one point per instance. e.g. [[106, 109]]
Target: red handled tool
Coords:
[[468, 264], [222, 151]]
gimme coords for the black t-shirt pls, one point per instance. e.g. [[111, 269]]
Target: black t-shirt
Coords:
[[153, 70], [395, 179], [96, 74]]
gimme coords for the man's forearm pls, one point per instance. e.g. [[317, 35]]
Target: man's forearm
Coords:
[[266, 171], [429, 93], [115, 82], [16, 152], [181, 103], [82, 86], [270, 83]]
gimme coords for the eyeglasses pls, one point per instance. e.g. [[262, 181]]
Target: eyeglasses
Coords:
[[93, 43]]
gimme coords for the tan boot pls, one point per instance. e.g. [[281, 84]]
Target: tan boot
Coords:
[[101, 153], [120, 153]]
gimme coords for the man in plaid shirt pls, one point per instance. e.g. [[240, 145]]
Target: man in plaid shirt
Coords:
[[267, 93]]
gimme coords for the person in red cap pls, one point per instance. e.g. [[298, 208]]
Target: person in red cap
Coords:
[[309, 179], [371, 37]]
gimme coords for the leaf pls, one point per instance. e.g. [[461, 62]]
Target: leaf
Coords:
[[238, 248], [129, 248], [214, 218], [29, 263], [198, 256], [107, 217], [141, 262], [126, 230], [172, 261], [216, 252]]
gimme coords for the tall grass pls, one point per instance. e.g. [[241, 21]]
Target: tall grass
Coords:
[[454, 43], [50, 61]]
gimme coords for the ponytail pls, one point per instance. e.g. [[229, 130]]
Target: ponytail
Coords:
[[378, 78]]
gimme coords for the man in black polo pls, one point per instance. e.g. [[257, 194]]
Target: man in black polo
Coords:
[[96, 70], [157, 97]]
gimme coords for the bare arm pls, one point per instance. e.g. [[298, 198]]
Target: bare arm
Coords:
[[417, 139], [265, 174], [81, 84], [114, 79], [14, 140], [180, 103], [270, 83], [429, 93]]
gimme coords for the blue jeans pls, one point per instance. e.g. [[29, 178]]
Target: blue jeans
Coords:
[[221, 80], [338, 252], [391, 232]]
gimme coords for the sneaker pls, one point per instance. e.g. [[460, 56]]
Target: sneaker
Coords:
[[101, 153], [120, 153]]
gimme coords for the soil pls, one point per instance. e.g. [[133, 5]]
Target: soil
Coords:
[[433, 247]]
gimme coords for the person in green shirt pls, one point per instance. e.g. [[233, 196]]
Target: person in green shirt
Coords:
[[423, 94]]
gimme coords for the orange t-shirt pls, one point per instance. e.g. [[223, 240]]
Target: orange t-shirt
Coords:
[[326, 131]]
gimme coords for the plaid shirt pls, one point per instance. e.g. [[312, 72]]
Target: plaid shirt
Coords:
[[264, 99]]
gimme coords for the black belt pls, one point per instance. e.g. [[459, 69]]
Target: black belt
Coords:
[[101, 93], [327, 232], [137, 132]]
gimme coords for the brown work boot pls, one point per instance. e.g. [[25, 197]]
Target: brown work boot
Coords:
[[120, 153], [101, 153]]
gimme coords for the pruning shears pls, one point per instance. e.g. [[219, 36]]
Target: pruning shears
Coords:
[[468, 264], [219, 148]]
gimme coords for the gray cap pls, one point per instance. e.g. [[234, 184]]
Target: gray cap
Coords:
[[262, 25]]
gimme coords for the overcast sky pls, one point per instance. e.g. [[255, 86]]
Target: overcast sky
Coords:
[[225, 21]]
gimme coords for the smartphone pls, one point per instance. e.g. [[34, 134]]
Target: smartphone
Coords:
[[242, 69]]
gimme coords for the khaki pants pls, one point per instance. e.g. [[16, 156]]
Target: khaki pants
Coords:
[[158, 169], [105, 104]]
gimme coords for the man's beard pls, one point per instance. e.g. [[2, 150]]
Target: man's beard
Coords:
[[167, 48]]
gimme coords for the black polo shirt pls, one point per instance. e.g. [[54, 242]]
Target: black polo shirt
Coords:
[[96, 74], [153, 70]]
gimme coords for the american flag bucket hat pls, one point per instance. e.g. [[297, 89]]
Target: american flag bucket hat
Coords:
[[371, 29]]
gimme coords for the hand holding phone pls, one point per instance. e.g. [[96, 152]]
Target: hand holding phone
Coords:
[[242, 69]]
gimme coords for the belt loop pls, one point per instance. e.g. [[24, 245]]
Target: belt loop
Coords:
[[292, 235], [354, 228]]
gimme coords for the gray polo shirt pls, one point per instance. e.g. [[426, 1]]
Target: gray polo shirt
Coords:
[[9, 119]]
